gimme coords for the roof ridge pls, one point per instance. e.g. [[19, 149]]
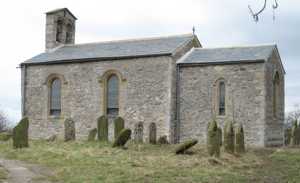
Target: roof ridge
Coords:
[[241, 46], [132, 39]]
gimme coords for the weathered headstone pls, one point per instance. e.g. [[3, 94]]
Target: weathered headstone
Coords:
[[152, 133], [138, 132], [51, 138], [287, 136], [183, 147], [119, 126], [20, 134], [92, 134], [239, 139], [69, 130], [122, 138], [213, 136], [229, 137], [102, 128], [295, 134], [162, 140]]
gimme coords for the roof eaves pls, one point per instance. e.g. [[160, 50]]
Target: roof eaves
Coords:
[[82, 60], [191, 64]]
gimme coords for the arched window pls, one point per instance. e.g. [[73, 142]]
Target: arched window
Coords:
[[276, 88], [221, 98], [59, 31], [55, 97], [113, 95], [69, 34]]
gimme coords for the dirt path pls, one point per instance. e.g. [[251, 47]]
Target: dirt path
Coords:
[[20, 172]]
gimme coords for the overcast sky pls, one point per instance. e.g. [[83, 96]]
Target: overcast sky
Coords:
[[218, 23]]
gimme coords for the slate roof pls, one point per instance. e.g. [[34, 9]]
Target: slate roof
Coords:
[[113, 50], [228, 55]]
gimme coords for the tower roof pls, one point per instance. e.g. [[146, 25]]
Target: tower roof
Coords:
[[61, 9]]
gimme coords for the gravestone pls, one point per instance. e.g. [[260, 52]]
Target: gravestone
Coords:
[[138, 132], [92, 134], [102, 124], [152, 133], [69, 130], [20, 134], [119, 126]]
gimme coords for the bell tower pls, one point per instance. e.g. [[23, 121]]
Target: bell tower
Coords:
[[60, 28]]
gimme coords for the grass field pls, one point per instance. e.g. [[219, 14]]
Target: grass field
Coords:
[[80, 162]]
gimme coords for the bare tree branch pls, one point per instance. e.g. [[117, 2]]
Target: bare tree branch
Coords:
[[256, 15]]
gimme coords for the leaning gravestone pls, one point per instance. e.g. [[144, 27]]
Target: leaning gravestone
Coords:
[[122, 138], [102, 128], [69, 130], [138, 132], [119, 126], [183, 147], [20, 134], [92, 134], [152, 133]]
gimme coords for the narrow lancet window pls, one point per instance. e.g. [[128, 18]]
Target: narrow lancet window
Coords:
[[221, 98], [55, 97], [276, 89], [113, 95], [69, 34], [59, 31]]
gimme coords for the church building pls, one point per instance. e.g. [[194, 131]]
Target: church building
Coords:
[[172, 84]]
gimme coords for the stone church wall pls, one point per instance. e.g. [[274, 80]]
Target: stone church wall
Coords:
[[245, 99], [274, 122], [145, 92]]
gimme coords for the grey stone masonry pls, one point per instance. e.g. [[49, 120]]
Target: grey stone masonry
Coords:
[[248, 100], [144, 95], [66, 32]]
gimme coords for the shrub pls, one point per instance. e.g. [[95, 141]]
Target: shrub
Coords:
[[102, 128], [122, 138], [239, 139], [119, 126], [20, 134], [5, 136], [69, 130], [163, 140], [182, 148], [229, 137], [213, 139], [294, 134], [92, 134]]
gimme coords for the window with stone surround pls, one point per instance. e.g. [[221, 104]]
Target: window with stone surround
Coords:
[[112, 95], [55, 97], [59, 31], [221, 98], [69, 34], [276, 93]]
